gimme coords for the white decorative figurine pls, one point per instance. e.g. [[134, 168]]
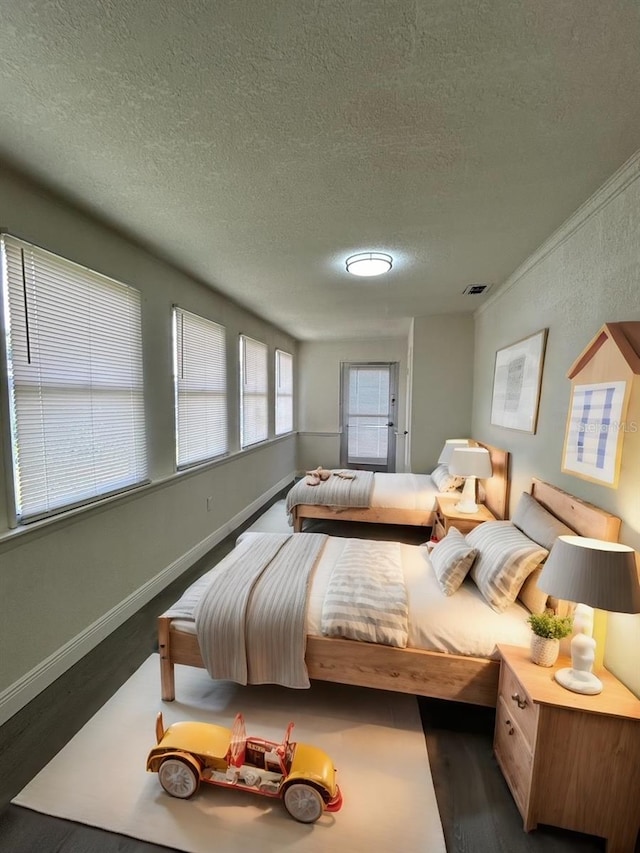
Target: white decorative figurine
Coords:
[[578, 677]]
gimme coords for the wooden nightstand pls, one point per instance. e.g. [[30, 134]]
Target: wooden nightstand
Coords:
[[570, 760], [447, 516]]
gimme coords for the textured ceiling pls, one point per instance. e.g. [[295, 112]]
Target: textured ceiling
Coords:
[[257, 143]]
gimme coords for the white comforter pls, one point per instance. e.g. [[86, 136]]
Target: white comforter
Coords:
[[404, 491], [460, 624]]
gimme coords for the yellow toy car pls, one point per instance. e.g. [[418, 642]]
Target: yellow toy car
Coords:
[[188, 753]]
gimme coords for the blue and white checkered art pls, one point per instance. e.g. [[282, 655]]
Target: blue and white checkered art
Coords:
[[595, 427]]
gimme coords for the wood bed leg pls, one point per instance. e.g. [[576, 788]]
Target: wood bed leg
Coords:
[[167, 673], [297, 522]]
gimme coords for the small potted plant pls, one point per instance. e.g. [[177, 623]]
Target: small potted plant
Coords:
[[548, 629]]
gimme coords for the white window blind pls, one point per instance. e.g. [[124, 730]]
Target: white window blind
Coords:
[[200, 387], [254, 425], [368, 413], [284, 392], [74, 364]]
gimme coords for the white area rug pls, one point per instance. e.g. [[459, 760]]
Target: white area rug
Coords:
[[375, 739]]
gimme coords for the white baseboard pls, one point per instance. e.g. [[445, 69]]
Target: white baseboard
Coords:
[[45, 673]]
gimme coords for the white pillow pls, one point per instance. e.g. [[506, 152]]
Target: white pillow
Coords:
[[451, 559], [444, 481], [506, 558]]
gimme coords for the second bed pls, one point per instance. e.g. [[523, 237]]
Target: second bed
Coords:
[[404, 499]]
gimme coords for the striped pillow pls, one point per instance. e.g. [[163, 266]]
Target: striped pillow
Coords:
[[451, 559], [506, 558], [533, 598]]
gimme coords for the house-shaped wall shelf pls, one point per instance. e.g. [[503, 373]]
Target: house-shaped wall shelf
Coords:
[[605, 403]]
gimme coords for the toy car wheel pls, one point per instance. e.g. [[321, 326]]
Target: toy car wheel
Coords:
[[303, 802], [178, 778]]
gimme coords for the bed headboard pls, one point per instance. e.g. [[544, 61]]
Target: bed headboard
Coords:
[[585, 518], [495, 489]]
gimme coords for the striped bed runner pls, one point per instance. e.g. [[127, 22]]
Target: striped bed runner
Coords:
[[250, 620], [366, 598]]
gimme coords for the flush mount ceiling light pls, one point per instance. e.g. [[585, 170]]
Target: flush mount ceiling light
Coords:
[[369, 263]]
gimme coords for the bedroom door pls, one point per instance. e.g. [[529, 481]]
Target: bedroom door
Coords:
[[368, 415]]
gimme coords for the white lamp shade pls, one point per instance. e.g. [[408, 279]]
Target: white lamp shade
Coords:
[[591, 571], [470, 462], [449, 446]]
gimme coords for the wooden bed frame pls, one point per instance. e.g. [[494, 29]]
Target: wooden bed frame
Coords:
[[494, 491], [434, 674]]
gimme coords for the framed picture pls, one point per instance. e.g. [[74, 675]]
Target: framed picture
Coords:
[[517, 378], [593, 438]]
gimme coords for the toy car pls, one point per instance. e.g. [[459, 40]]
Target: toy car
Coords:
[[187, 754]]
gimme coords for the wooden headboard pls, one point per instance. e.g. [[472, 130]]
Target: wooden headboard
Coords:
[[585, 518], [494, 490]]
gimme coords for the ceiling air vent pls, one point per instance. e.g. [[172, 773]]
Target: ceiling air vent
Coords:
[[476, 289]]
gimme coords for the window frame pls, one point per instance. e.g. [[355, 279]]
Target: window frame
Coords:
[[260, 394], [286, 395], [218, 330], [33, 325]]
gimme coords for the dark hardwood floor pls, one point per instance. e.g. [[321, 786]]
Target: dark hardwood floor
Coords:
[[477, 811]]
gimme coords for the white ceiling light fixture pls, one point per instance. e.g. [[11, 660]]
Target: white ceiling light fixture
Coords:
[[369, 263]]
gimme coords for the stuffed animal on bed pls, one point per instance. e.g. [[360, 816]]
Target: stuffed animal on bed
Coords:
[[315, 477]]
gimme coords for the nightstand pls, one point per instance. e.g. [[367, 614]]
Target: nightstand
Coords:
[[570, 760], [446, 516]]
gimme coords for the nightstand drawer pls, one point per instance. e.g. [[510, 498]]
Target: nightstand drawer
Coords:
[[514, 756], [519, 705]]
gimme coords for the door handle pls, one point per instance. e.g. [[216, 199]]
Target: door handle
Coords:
[[390, 423]]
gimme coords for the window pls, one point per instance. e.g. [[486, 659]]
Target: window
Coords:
[[253, 392], [368, 412], [74, 368], [200, 387], [284, 392]]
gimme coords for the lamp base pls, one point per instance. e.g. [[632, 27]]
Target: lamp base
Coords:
[[467, 502], [579, 681]]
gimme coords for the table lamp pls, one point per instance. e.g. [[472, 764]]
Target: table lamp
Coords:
[[602, 575], [449, 446], [470, 462]]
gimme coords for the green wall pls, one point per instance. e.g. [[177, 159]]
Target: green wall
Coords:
[[585, 275], [65, 583]]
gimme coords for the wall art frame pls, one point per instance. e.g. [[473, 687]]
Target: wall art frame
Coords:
[[595, 430], [604, 405], [517, 382]]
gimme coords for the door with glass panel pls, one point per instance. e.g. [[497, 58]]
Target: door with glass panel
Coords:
[[369, 415]]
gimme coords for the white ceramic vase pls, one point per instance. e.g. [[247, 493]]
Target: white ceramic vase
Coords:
[[544, 650]]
